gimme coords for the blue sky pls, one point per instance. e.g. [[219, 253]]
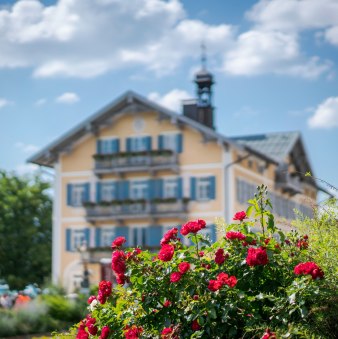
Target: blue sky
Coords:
[[275, 64]]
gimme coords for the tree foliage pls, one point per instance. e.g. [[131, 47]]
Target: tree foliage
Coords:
[[25, 230]]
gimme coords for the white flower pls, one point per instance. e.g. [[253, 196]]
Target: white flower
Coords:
[[93, 304]]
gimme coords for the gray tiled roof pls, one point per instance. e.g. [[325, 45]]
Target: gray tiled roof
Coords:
[[276, 145]]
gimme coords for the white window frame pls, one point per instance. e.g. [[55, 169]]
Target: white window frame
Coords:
[[170, 141], [108, 191], [77, 238], [78, 192], [141, 236], [107, 236], [203, 189], [138, 144], [170, 188], [138, 189]]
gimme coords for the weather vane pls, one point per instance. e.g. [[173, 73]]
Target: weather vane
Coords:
[[203, 55]]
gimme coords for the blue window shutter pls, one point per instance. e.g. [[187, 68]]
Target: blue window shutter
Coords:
[[98, 147], [212, 181], [179, 143], [125, 189], [122, 231], [213, 232], [97, 237], [115, 145], [69, 194], [160, 142], [193, 188], [151, 189], [153, 236], [86, 233], [98, 192], [158, 188], [179, 188], [119, 190], [86, 192], [128, 144], [148, 143], [68, 240]]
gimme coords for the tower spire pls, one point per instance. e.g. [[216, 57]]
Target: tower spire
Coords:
[[203, 56]]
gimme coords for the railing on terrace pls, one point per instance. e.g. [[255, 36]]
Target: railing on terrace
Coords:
[[135, 161], [287, 182], [136, 209]]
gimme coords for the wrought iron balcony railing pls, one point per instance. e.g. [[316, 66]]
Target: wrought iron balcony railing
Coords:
[[137, 209], [136, 161]]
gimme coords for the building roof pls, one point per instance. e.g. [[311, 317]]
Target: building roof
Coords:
[[133, 102], [276, 145]]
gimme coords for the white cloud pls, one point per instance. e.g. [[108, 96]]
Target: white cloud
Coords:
[[90, 37], [68, 98], [26, 148], [272, 45], [326, 114], [4, 102], [245, 112], [171, 100], [294, 15]]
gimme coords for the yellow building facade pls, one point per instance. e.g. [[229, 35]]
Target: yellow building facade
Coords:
[[136, 169]]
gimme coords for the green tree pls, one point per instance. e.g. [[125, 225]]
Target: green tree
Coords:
[[25, 230]]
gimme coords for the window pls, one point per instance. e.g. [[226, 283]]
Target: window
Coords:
[[108, 191], [139, 236], [138, 190], [77, 194], [172, 141], [171, 188], [107, 236], [203, 188], [108, 146], [75, 238], [138, 144]]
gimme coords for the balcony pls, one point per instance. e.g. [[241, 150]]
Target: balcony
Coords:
[[288, 183], [136, 209], [123, 162]]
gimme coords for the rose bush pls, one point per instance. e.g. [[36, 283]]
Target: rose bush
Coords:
[[245, 285]]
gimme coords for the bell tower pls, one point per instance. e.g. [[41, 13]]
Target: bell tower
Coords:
[[201, 109]]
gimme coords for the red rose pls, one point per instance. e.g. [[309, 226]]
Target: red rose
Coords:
[[118, 242], [175, 277], [267, 240], [167, 303], [82, 334], [195, 297], [166, 253], [120, 279], [222, 277], [195, 326], [232, 281], [104, 332], [201, 254], [92, 329], [105, 287], [170, 235], [118, 262], [90, 299], [235, 235], [310, 268], [219, 256], [193, 227], [257, 256], [133, 332], [183, 267], [214, 285], [166, 333], [269, 335], [240, 216]]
